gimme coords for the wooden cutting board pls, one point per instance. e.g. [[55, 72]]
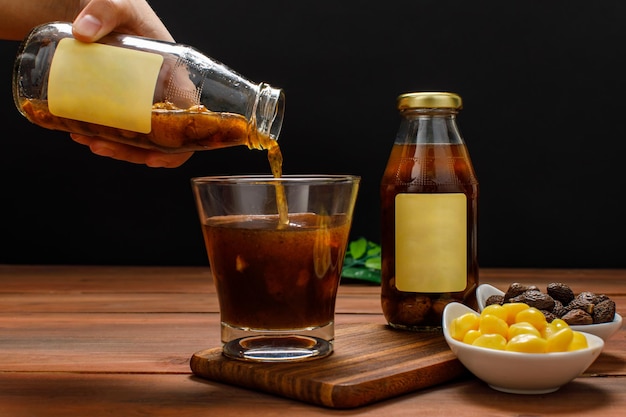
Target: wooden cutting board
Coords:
[[370, 362]]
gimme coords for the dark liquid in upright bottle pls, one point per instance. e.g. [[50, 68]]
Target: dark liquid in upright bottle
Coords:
[[425, 168]]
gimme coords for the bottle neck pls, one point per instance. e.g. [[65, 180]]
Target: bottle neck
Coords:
[[270, 109], [429, 126], [266, 117]]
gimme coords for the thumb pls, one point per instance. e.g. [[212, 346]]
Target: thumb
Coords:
[[101, 17], [88, 28]]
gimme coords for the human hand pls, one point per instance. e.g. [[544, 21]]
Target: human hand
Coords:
[[100, 17], [97, 19], [122, 152]]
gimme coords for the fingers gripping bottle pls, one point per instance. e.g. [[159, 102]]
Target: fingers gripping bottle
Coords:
[[429, 198]]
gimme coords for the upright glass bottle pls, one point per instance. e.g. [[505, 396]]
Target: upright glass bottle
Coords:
[[143, 92], [429, 203]]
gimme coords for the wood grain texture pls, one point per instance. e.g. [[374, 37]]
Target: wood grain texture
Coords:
[[177, 395], [370, 363], [117, 341]]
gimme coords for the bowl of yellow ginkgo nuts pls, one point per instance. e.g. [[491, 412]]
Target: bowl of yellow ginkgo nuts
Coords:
[[514, 349]]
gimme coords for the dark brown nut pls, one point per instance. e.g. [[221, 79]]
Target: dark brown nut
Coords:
[[583, 301], [577, 316], [514, 290], [604, 312], [549, 315], [586, 296], [494, 299], [535, 298], [561, 292], [559, 309], [599, 298]]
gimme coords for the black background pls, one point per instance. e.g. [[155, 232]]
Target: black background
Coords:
[[543, 89]]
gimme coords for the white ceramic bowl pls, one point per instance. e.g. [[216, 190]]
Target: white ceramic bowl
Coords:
[[603, 330], [515, 372]]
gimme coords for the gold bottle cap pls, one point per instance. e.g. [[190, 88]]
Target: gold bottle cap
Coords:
[[429, 100]]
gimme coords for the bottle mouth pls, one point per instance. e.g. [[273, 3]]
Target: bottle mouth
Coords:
[[270, 111]]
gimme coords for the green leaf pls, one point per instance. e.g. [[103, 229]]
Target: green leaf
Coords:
[[361, 274], [373, 249], [362, 261], [358, 247], [373, 263]]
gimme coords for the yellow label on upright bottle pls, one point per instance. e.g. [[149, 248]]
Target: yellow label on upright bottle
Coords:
[[103, 84], [431, 242]]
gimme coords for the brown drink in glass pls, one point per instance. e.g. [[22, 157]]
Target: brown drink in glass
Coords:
[[276, 280]]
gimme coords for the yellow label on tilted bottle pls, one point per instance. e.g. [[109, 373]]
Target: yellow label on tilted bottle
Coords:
[[103, 84], [431, 242]]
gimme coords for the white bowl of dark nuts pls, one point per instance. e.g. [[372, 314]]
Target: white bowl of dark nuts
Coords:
[[518, 366], [585, 312]]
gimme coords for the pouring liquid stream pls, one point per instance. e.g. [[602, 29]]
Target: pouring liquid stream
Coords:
[[275, 158]]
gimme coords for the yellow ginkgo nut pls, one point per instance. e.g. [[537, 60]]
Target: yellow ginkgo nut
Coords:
[[561, 340], [490, 324], [470, 336], [462, 324], [491, 341], [527, 343], [579, 341], [512, 309], [559, 323], [522, 328], [529, 332], [532, 316], [495, 310], [549, 330]]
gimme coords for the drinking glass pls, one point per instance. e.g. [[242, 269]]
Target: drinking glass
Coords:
[[276, 248]]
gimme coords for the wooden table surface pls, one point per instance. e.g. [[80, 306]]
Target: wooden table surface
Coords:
[[116, 341]]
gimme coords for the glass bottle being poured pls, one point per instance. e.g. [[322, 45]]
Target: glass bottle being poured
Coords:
[[142, 92]]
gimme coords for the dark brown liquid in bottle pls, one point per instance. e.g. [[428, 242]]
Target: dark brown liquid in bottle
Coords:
[[173, 129], [425, 168]]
